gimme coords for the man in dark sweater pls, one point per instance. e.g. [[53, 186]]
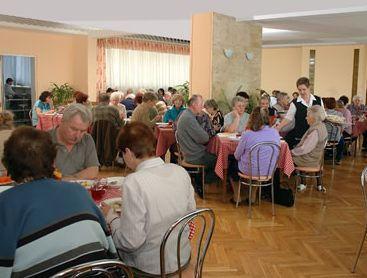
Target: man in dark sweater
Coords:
[[193, 139]]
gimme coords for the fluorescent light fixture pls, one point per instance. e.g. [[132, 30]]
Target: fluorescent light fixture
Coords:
[[275, 31]]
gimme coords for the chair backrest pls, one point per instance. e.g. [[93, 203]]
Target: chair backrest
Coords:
[[334, 131], [363, 186], [101, 268], [203, 216], [273, 150], [179, 150]]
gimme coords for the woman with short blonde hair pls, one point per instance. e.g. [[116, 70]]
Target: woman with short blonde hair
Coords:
[[115, 99]]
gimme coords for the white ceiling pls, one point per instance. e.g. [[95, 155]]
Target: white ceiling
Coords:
[[314, 22]]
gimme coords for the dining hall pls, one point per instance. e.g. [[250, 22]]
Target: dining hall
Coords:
[[183, 139]]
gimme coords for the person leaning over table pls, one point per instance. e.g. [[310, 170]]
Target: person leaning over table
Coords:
[[309, 151], [177, 108], [357, 109], [192, 139], [236, 121], [46, 225], [42, 106], [258, 132], [298, 111], [143, 112], [154, 196], [215, 114], [76, 152]]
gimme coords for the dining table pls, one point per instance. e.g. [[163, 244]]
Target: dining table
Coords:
[[165, 139], [49, 121], [223, 145]]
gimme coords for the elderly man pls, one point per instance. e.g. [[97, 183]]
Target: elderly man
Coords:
[[192, 139], [76, 152], [105, 111], [146, 112]]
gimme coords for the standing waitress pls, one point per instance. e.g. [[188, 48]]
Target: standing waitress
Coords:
[[298, 111]]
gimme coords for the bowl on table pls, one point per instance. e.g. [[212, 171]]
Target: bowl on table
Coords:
[[115, 203]]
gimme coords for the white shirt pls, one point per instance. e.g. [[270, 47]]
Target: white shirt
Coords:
[[153, 197], [292, 108]]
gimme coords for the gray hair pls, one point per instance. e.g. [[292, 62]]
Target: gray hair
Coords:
[[317, 112], [193, 99], [116, 95], [281, 95], [357, 97], [77, 109], [238, 99]]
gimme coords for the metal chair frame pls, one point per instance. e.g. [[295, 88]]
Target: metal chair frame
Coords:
[[188, 166], [257, 179], [332, 141], [102, 267], [303, 174], [359, 250], [202, 247]]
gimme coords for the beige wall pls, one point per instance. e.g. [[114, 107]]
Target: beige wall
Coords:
[[333, 69], [201, 54], [59, 57]]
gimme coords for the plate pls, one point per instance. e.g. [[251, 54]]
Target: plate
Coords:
[[234, 138], [162, 124], [115, 203], [85, 183], [115, 181]]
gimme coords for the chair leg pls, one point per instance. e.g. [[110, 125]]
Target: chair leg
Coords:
[[203, 181], [272, 198], [238, 192], [359, 250], [333, 157], [259, 195], [249, 200]]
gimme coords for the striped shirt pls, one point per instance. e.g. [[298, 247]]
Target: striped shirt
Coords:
[[47, 226]]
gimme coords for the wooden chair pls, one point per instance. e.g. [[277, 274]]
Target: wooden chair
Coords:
[[101, 268], [254, 178], [190, 168], [363, 187]]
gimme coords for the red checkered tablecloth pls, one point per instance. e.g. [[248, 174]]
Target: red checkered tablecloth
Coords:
[[359, 127], [48, 121], [223, 147], [165, 139]]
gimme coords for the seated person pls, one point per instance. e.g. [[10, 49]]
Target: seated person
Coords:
[[334, 129], [42, 105], [347, 129], [236, 121], [177, 108], [155, 195], [258, 131], [205, 122], [357, 109], [143, 112], [215, 114], [115, 101], [167, 98], [282, 105], [308, 152], [245, 96], [161, 108], [265, 103], [193, 139], [56, 224], [129, 101], [6, 128], [76, 152], [106, 112]]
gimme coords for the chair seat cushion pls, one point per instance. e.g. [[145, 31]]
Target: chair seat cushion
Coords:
[[308, 169], [189, 165], [256, 178]]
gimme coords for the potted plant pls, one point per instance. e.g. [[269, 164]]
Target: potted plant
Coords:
[[184, 90], [61, 94]]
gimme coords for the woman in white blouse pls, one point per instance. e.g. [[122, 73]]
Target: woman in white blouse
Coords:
[[153, 197]]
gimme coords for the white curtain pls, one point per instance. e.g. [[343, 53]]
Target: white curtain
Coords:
[[145, 69], [18, 68]]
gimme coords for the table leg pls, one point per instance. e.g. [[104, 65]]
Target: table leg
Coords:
[[224, 186]]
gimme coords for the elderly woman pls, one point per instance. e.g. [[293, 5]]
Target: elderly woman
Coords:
[[115, 99], [56, 224], [178, 106], [215, 114], [258, 131], [282, 105], [357, 109], [236, 120], [309, 151], [155, 195], [42, 106], [6, 128], [298, 111]]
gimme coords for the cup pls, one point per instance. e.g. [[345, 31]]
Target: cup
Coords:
[[97, 192]]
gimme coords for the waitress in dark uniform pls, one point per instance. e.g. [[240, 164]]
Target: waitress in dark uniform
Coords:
[[298, 111]]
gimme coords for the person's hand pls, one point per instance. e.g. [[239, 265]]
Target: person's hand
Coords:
[[105, 208], [158, 118], [235, 114]]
